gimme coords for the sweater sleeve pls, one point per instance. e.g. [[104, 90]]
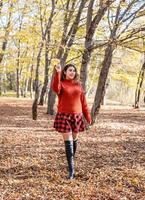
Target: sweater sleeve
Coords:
[[85, 109], [56, 83]]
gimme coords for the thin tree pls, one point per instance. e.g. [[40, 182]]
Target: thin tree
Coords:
[[1, 5], [6, 36], [139, 84], [7, 30], [18, 45], [47, 60]]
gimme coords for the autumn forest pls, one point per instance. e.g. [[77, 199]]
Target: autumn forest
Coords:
[[105, 40]]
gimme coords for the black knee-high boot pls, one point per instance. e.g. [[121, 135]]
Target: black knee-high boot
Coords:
[[75, 142], [69, 156]]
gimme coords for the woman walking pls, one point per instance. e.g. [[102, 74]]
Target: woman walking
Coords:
[[71, 108]]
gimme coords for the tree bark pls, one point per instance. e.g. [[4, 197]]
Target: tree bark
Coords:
[[102, 81], [35, 102], [1, 5], [4, 44], [139, 86], [18, 72], [31, 81], [51, 99], [44, 88], [7, 31], [0, 84]]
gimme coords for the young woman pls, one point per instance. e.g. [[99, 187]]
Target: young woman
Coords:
[[71, 108]]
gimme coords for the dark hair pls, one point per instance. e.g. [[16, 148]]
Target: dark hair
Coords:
[[63, 76]]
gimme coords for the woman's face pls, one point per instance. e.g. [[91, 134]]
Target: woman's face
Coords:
[[70, 73]]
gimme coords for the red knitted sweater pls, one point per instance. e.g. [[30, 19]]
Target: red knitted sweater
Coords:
[[71, 98]]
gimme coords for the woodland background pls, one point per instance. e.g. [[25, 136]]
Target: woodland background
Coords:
[[105, 39]]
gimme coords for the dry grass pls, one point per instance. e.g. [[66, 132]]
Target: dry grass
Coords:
[[110, 161]]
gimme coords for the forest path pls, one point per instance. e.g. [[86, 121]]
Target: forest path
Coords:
[[110, 160]]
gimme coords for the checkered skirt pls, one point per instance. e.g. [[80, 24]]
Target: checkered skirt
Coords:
[[66, 123]]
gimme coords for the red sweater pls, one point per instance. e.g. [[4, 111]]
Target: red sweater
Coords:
[[71, 98]]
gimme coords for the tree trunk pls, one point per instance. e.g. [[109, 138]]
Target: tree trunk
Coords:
[[90, 30], [11, 80], [35, 102], [84, 67], [17, 83], [26, 87], [44, 88], [31, 81], [4, 44], [18, 72], [47, 64], [31, 75], [1, 5], [102, 81], [66, 40], [7, 30], [0, 84], [139, 86], [51, 99]]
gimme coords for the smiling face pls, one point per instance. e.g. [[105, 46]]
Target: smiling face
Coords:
[[70, 73]]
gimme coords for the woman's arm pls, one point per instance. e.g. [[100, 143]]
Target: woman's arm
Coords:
[[85, 109], [56, 83]]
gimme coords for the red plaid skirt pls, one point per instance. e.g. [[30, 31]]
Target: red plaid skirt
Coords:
[[65, 123]]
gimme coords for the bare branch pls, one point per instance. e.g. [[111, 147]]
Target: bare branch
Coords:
[[89, 14], [108, 17], [117, 14], [131, 34], [127, 9], [134, 13]]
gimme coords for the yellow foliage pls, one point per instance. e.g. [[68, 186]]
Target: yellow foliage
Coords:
[[22, 35], [14, 1], [55, 61]]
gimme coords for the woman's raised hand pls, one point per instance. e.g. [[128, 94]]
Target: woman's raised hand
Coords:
[[58, 67]]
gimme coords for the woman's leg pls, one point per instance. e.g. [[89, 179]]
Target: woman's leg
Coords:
[[75, 142], [67, 136], [75, 136], [68, 140]]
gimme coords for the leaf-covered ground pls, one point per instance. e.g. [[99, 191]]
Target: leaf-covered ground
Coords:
[[110, 160]]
